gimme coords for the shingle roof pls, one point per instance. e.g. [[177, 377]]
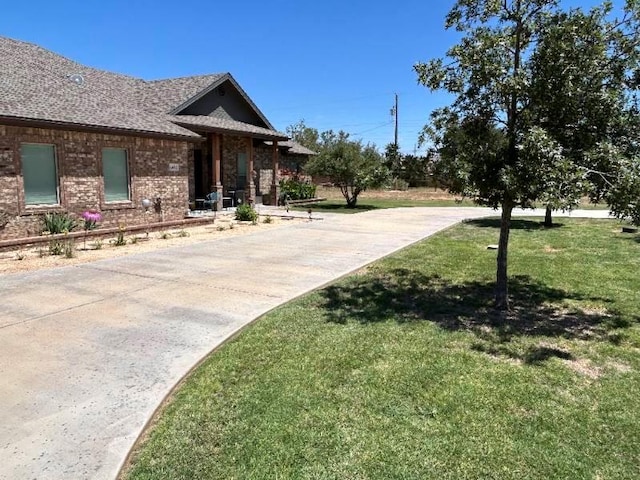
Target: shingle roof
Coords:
[[224, 124], [163, 96], [295, 147], [38, 85]]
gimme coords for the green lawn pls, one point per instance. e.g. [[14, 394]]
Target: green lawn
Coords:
[[402, 371], [340, 206]]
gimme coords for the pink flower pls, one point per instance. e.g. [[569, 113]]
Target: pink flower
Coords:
[[91, 216]]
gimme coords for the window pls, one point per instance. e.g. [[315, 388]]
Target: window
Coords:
[[115, 171], [39, 174], [241, 180]]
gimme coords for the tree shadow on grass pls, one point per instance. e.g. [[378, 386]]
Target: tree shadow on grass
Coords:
[[516, 224], [405, 296]]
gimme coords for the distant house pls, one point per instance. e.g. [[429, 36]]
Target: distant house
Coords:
[[74, 138]]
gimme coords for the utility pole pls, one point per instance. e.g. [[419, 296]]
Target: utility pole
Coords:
[[394, 114], [395, 110]]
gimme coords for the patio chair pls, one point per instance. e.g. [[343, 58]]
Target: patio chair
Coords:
[[211, 201]]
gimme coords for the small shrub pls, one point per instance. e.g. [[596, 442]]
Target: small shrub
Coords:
[[267, 219], [133, 240], [69, 249], [165, 235], [120, 240], [246, 213], [221, 228], [58, 222], [20, 255], [56, 247], [297, 189], [183, 233], [97, 245], [231, 226]]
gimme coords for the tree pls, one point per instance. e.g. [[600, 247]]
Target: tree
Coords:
[[351, 166], [413, 169], [579, 77], [499, 141], [304, 135]]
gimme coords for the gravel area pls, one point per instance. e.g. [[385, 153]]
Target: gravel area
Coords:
[[35, 258]]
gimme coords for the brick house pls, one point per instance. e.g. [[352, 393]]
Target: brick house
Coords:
[[74, 138]]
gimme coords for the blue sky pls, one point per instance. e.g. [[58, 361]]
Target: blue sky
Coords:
[[335, 64]]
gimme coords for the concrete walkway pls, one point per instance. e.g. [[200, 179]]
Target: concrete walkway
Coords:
[[87, 352]]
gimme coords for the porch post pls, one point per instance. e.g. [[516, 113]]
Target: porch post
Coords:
[[250, 170], [275, 184], [216, 175]]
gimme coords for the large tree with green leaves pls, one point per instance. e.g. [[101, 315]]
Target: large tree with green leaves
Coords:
[[350, 165], [507, 140]]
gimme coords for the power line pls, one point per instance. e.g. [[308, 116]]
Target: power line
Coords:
[[374, 128]]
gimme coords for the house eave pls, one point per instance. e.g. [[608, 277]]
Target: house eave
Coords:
[[231, 131], [80, 127]]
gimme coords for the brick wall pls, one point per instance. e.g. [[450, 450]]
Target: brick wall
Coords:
[[79, 166]]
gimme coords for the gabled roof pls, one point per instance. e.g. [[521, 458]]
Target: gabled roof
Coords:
[[191, 84], [164, 96], [38, 86]]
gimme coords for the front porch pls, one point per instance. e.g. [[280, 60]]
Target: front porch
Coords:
[[239, 169]]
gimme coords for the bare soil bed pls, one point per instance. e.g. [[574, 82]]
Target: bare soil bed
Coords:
[[38, 257]]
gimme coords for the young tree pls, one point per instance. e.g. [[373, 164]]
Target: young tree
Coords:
[[498, 142], [349, 165]]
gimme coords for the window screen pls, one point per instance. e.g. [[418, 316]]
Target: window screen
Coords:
[[116, 174], [39, 174]]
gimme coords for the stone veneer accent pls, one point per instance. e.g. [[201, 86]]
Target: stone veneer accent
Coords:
[[78, 156]]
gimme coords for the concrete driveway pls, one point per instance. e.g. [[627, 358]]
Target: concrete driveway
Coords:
[[88, 352]]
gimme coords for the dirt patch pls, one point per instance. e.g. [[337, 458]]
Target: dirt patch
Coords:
[[619, 367], [550, 249], [585, 368], [35, 258]]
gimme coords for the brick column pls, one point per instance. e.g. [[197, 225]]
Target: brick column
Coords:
[[216, 172], [275, 184], [251, 187]]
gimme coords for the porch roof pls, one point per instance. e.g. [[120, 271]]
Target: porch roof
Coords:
[[294, 147], [225, 125]]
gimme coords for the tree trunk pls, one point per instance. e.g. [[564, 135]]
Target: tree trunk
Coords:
[[502, 293], [548, 219]]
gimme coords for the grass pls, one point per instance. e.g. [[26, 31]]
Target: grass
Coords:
[[403, 371], [340, 206], [413, 197]]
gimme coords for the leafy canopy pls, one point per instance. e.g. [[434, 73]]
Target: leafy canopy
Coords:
[[350, 165], [536, 90]]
